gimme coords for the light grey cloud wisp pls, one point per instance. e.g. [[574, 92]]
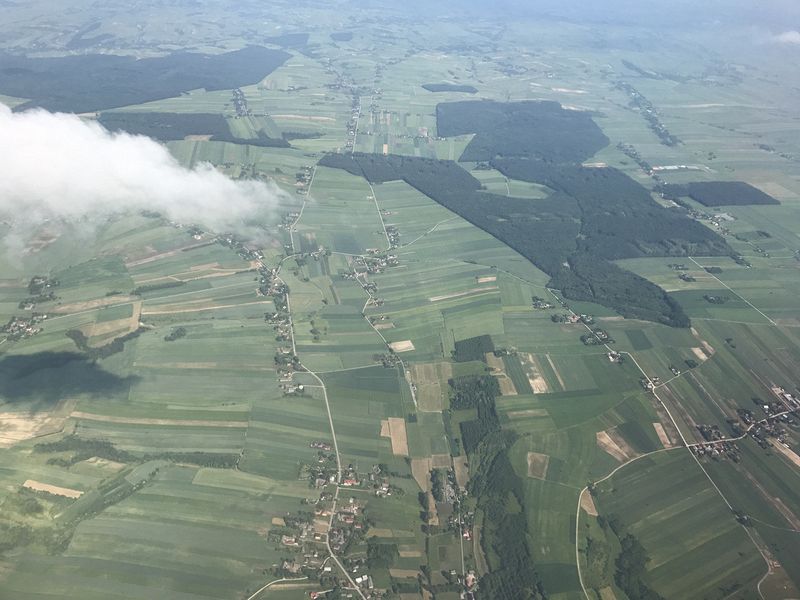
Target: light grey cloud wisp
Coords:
[[787, 37]]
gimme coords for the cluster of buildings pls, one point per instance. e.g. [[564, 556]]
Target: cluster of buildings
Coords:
[[778, 414], [649, 383], [20, 328], [302, 183], [377, 261], [244, 250], [541, 303], [240, 103], [394, 236], [289, 219], [390, 360], [717, 446], [347, 84], [286, 362], [352, 124], [323, 470], [648, 111], [572, 318], [597, 337], [41, 290], [632, 153]]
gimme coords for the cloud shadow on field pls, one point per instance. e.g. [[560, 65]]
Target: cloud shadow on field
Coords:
[[47, 377]]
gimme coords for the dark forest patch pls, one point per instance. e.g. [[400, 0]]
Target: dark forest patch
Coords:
[[449, 87], [176, 126], [342, 36], [474, 348], [289, 40], [720, 193], [94, 82], [531, 129], [593, 217]]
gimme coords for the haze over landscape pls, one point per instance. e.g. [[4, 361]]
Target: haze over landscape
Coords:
[[463, 300]]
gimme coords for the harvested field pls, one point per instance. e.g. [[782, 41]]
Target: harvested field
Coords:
[[610, 441], [293, 586], [279, 521], [555, 370], [397, 432], [530, 412], [421, 469], [789, 454], [385, 429], [404, 346], [321, 525], [662, 435], [440, 461], [495, 363], [433, 513], [41, 241], [404, 573], [487, 279], [379, 532], [534, 373], [705, 350], [410, 553], [105, 463], [18, 426], [118, 326], [498, 368], [461, 468], [607, 593], [159, 255], [537, 465], [587, 504], [481, 564], [38, 486], [303, 118], [473, 291], [91, 304], [431, 379], [383, 326], [506, 385], [170, 422], [175, 309]]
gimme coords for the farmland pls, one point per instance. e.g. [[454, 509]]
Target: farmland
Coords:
[[522, 322]]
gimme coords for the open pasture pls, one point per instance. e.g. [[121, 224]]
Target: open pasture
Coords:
[[672, 509]]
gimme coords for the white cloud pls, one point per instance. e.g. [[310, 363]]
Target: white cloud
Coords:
[[58, 166], [787, 37]]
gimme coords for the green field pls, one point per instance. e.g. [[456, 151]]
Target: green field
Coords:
[[195, 449]]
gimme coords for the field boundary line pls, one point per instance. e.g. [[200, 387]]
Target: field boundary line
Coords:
[[730, 289]]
